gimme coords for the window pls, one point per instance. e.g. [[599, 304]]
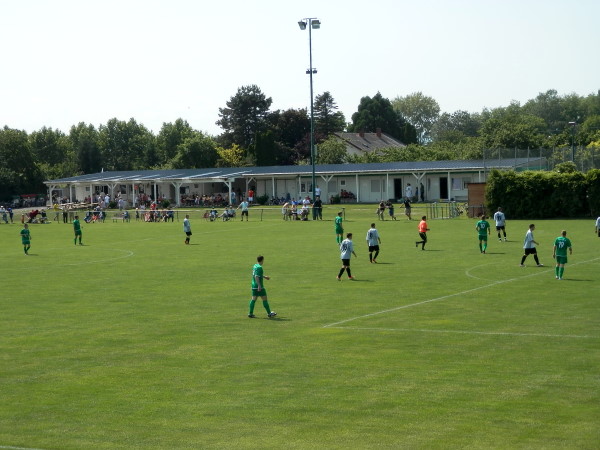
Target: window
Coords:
[[457, 184], [342, 182], [375, 186], [302, 187]]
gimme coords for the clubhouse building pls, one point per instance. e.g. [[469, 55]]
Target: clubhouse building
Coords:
[[360, 183]]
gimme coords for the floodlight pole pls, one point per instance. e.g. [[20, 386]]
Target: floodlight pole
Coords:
[[311, 22]]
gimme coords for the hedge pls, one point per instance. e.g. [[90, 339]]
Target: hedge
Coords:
[[544, 195]]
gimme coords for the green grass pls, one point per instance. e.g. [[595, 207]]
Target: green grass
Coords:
[[135, 340]]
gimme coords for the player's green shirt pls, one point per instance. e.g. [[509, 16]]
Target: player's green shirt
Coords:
[[338, 222], [257, 271], [482, 227], [76, 225], [562, 244], [25, 235]]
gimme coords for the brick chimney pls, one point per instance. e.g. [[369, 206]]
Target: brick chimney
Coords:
[[361, 133], [378, 131]]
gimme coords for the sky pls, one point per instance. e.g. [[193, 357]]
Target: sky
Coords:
[[71, 61]]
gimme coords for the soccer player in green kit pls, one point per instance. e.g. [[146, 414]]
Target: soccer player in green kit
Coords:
[[26, 238], [258, 289], [483, 229], [561, 244], [339, 230], [77, 229]]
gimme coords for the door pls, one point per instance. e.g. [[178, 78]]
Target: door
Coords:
[[444, 188], [398, 188]]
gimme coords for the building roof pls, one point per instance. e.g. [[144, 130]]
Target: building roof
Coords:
[[229, 173], [367, 142]]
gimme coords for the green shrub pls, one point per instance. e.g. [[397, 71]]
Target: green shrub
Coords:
[[262, 199]]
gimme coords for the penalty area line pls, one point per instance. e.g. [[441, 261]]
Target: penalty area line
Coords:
[[490, 333], [10, 447]]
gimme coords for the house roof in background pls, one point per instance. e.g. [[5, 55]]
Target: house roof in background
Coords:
[[367, 142]]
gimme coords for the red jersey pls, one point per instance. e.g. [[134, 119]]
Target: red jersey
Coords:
[[422, 226]]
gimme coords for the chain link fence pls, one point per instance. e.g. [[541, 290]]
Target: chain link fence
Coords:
[[585, 158]]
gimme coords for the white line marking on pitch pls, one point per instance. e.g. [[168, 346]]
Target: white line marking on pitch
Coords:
[[18, 448], [492, 333], [468, 272], [444, 297]]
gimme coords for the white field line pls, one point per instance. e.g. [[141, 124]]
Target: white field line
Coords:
[[445, 297], [490, 333], [9, 447]]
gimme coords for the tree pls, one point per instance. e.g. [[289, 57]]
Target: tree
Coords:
[[377, 112], [244, 116], [19, 172], [123, 144], [170, 136], [291, 130], [332, 151], [231, 157], [327, 119], [49, 146], [196, 151], [420, 111], [456, 127], [53, 152], [84, 140], [510, 127]]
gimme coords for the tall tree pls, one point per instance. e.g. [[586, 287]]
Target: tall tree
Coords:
[[170, 136], [420, 111], [197, 151], [377, 112], [49, 146], [510, 127], [84, 139], [291, 130], [327, 119], [123, 144], [231, 157], [332, 151], [244, 116], [456, 127], [19, 172]]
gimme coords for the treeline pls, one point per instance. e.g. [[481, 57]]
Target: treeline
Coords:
[[253, 134], [563, 192]]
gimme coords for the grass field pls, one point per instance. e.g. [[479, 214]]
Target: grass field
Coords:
[[136, 340]]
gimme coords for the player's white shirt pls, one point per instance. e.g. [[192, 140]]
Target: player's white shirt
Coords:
[[244, 206], [408, 191], [598, 222], [346, 249], [372, 237], [499, 218], [186, 225], [528, 243]]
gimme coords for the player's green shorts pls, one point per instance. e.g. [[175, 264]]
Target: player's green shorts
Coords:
[[483, 237], [78, 233], [339, 230], [561, 259], [257, 293], [25, 241]]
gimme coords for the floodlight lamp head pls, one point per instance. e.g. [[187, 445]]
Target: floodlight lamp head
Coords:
[[302, 24], [316, 24]]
